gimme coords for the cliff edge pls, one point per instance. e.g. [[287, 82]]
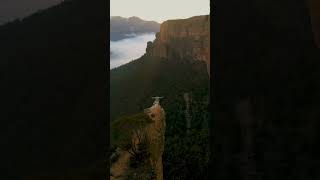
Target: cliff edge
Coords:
[[183, 39]]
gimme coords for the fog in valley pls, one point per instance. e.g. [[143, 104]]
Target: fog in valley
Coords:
[[131, 48]]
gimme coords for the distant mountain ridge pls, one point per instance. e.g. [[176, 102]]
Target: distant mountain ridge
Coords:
[[121, 27]]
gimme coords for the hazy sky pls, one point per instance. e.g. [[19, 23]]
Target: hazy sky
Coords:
[[159, 10]]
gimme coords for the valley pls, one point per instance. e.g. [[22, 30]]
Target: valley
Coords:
[[175, 64]]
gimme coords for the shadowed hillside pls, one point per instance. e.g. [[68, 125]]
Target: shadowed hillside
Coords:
[[14, 9], [52, 71]]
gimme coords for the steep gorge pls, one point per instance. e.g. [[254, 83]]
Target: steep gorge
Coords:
[[174, 64], [181, 46]]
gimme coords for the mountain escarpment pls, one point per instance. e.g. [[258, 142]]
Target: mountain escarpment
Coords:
[[183, 39]]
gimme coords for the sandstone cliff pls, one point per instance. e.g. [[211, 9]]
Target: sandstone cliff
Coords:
[[155, 135], [183, 39]]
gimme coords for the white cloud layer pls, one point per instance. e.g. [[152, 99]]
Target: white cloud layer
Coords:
[[129, 49]]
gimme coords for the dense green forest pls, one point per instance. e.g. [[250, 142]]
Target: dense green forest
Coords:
[[132, 85]]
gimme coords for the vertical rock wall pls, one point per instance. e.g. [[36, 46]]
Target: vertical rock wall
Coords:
[[183, 39]]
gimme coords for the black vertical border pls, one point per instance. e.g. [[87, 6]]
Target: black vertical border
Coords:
[[213, 45]]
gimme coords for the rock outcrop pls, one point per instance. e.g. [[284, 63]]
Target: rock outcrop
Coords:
[[155, 135], [183, 39], [150, 136]]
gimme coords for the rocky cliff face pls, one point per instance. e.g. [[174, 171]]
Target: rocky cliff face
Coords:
[[183, 39]]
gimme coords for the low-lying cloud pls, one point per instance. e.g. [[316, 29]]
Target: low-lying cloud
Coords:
[[128, 49]]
